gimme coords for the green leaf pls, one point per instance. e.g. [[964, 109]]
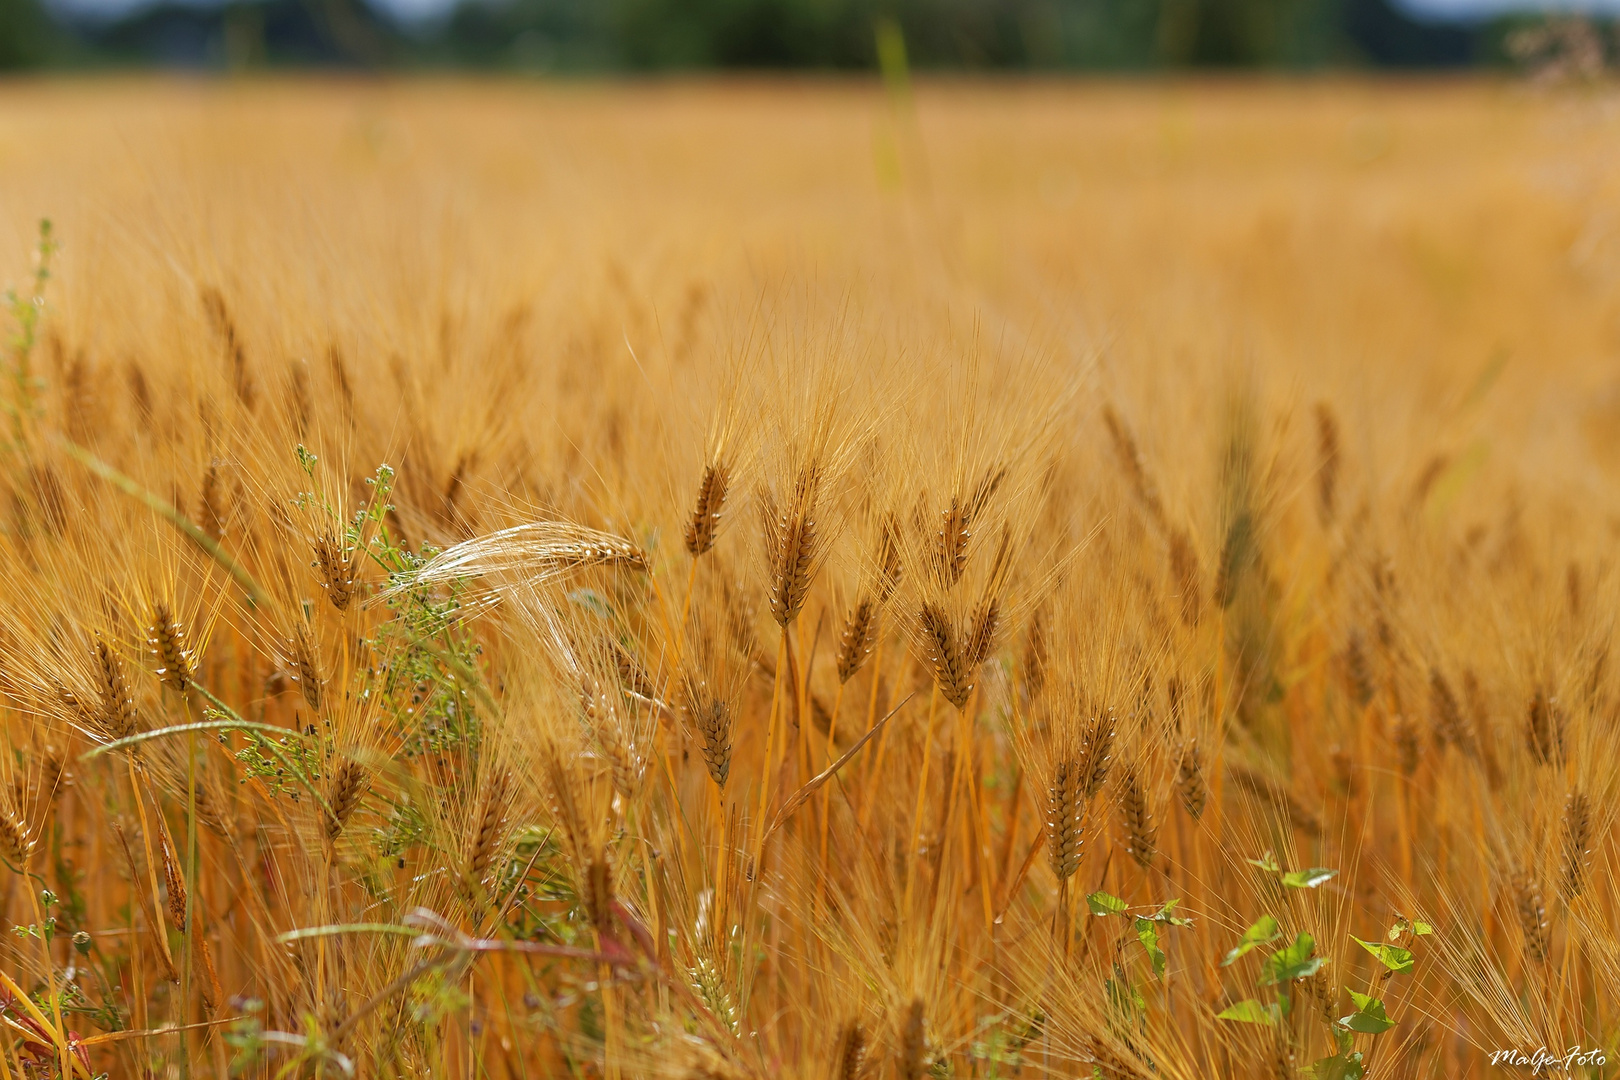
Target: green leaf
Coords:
[[1102, 903], [1266, 862], [1148, 935], [1421, 928], [1346, 1066], [1291, 962], [1369, 1017], [1248, 1012], [1308, 879], [1264, 930], [1391, 956], [1163, 915]]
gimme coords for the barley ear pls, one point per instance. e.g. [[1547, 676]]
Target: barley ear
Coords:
[[1532, 912], [117, 717], [1577, 843], [16, 840], [1065, 817], [168, 643], [488, 827], [712, 718], [1327, 462], [334, 563], [1190, 781], [1137, 815], [704, 524], [173, 880], [855, 643], [348, 787], [952, 674], [305, 667], [851, 1051], [913, 1043], [1097, 752]]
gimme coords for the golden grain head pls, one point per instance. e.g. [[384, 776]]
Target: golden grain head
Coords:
[[168, 644]]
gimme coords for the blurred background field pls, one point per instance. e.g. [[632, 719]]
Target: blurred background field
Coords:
[[1390, 242]]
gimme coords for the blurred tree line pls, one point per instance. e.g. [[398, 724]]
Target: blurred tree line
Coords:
[[618, 35]]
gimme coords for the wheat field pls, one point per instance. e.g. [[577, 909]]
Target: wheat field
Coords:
[[809, 579]]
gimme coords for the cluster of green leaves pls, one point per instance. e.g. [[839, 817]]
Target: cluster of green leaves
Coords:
[[1298, 960], [1146, 925], [245, 1036], [1006, 1037], [1127, 1007], [432, 664], [36, 930], [286, 765]]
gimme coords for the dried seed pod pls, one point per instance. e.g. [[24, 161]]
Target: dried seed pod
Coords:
[[704, 524], [168, 643], [1065, 817], [1190, 781]]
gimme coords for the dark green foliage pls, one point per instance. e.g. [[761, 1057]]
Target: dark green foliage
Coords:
[[825, 35]]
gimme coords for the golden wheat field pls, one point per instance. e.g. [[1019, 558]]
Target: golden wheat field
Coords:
[[809, 579]]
